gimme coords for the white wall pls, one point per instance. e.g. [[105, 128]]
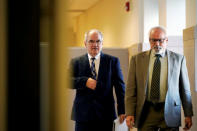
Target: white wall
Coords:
[[151, 16], [172, 15], [176, 17]]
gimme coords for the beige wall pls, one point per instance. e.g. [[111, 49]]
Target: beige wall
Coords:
[[120, 28], [191, 13], [190, 52]]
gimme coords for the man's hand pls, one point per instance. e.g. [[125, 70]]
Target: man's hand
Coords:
[[188, 123], [130, 121], [91, 83], [122, 117]]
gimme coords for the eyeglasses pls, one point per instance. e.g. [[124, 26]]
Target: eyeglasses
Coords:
[[157, 40], [94, 41]]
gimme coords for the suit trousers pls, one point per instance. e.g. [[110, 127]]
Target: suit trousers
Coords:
[[94, 126], [152, 118]]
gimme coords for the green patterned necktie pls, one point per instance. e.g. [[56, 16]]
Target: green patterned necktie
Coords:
[[155, 84]]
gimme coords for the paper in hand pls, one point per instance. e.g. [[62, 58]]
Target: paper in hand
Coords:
[[120, 126]]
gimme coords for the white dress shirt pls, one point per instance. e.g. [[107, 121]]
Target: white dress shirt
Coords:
[[96, 61]]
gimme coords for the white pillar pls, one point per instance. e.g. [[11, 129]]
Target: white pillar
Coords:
[[141, 20], [172, 16], [151, 17], [175, 17], [150, 14], [162, 13]]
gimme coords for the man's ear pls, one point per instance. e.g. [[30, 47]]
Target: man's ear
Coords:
[[167, 39]]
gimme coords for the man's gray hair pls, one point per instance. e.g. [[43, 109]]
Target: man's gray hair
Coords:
[[158, 27], [93, 30]]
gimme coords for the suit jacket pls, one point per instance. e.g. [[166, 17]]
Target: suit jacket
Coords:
[[178, 88], [97, 104]]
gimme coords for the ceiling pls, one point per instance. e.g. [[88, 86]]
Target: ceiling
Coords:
[[76, 7]]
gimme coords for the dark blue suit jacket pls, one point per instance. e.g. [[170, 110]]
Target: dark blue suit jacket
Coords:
[[97, 104]]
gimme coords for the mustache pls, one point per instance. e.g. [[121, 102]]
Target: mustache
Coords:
[[157, 47], [94, 48]]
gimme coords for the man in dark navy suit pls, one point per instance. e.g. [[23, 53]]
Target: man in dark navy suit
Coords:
[[94, 76]]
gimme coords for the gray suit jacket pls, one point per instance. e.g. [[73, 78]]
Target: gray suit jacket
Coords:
[[177, 83]]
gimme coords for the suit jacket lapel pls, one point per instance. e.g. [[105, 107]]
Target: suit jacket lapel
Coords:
[[171, 64], [102, 65], [87, 65], [145, 64]]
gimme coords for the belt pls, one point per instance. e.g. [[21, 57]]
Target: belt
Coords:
[[155, 105]]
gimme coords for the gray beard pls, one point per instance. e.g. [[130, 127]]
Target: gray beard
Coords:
[[157, 48]]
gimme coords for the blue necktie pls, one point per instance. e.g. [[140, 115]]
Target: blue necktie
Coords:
[[93, 69], [155, 84]]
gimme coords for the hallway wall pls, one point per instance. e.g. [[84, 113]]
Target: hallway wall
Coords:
[[191, 13], [120, 28], [190, 52]]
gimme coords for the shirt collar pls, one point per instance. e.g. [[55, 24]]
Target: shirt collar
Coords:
[[96, 57], [163, 54]]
